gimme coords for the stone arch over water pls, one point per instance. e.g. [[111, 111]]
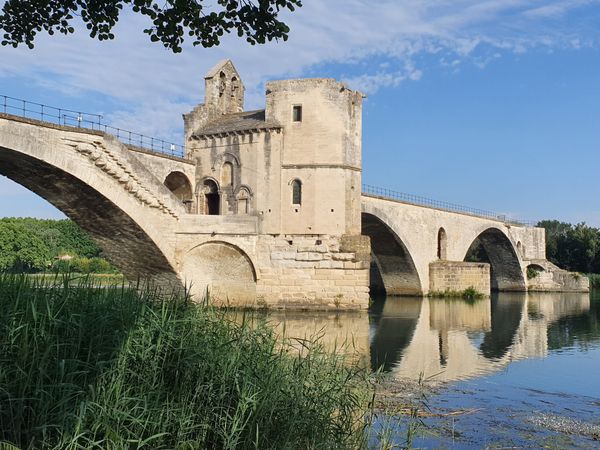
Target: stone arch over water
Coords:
[[77, 174], [392, 264], [494, 247]]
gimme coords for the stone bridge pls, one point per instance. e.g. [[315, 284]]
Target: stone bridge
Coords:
[[419, 249], [265, 208]]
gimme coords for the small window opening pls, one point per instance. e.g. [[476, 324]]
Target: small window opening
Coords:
[[296, 192], [297, 113], [442, 244]]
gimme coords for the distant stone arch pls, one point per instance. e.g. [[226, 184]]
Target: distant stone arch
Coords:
[[179, 184], [442, 244], [391, 260], [494, 247], [223, 271]]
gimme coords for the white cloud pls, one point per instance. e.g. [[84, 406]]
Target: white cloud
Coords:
[[151, 87]]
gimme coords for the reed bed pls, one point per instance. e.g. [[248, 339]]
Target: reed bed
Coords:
[[87, 367]]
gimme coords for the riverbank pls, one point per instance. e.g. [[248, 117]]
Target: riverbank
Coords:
[[89, 367]]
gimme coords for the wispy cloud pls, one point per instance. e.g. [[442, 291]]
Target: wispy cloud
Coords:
[[150, 87]]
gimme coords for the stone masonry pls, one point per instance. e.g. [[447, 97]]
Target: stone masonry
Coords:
[[453, 276], [265, 208]]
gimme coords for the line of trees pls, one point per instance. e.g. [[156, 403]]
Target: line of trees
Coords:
[[35, 245], [572, 247]]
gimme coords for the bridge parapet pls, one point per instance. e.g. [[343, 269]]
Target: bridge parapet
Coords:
[[89, 121], [411, 199]]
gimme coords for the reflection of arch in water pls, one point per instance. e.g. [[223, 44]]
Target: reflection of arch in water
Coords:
[[506, 319], [455, 340], [393, 326], [569, 317], [395, 266], [224, 270], [493, 246]]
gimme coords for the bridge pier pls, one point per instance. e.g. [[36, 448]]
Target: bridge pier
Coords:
[[457, 276]]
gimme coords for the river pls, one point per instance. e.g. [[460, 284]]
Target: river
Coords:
[[514, 371]]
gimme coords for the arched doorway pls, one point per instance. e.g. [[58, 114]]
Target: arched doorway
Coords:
[[180, 186], [393, 270], [442, 244], [493, 246], [211, 201]]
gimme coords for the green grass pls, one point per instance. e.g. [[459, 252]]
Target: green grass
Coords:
[[469, 293], [83, 367]]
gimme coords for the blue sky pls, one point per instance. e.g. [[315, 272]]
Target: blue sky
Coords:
[[492, 104]]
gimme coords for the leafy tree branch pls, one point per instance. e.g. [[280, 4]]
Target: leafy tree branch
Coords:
[[202, 21]]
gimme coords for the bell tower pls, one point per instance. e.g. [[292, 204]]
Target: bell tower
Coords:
[[224, 89], [223, 94]]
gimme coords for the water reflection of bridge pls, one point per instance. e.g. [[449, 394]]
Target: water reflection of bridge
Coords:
[[444, 339]]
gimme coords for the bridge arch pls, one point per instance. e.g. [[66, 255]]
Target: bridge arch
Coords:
[[223, 270], [492, 245], [392, 263], [181, 187], [95, 181]]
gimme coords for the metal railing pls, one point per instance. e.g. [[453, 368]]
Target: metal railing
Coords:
[[437, 204], [90, 121]]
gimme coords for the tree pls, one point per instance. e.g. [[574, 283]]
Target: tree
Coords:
[[555, 231], [571, 247], [20, 249], [203, 21]]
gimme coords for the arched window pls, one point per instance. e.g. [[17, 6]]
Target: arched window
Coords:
[[296, 192], [243, 201], [442, 242], [227, 174]]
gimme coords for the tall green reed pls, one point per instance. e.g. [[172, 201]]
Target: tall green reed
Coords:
[[83, 367]]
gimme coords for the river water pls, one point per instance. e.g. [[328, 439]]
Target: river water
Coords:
[[513, 371]]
